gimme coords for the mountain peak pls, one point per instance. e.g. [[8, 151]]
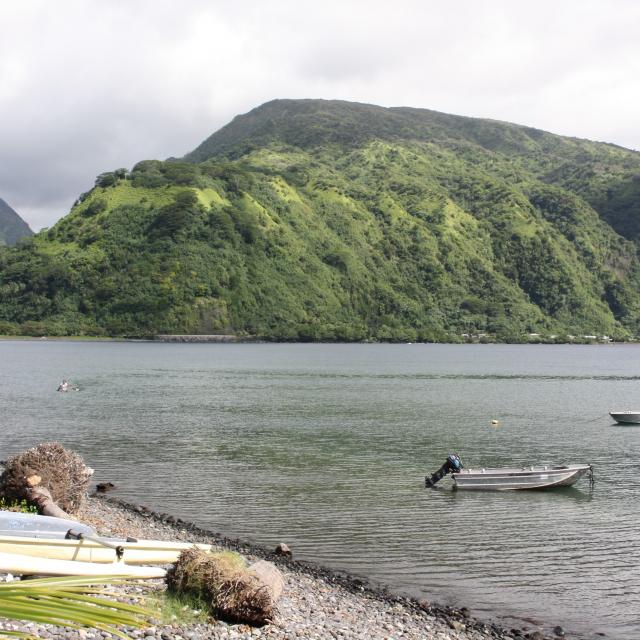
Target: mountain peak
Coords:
[[12, 226]]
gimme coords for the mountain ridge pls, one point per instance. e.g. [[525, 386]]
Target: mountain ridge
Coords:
[[565, 157], [431, 122], [322, 220]]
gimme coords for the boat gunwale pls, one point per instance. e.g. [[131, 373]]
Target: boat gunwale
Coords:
[[512, 472]]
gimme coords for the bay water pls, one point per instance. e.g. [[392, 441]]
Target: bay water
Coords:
[[325, 447]]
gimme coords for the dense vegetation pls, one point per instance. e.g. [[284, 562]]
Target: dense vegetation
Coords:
[[314, 220], [12, 226]]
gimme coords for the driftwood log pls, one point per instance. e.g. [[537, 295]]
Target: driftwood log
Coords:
[[41, 498]]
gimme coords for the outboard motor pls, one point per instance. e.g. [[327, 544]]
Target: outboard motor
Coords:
[[452, 465]]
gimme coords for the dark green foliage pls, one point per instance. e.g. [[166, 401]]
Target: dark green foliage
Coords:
[[95, 206], [108, 179], [153, 173], [149, 173], [313, 220], [175, 217]]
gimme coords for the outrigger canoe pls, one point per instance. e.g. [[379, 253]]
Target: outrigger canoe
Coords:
[[101, 550], [18, 564], [33, 525], [33, 535]]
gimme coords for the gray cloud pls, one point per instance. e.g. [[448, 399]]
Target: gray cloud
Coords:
[[88, 86]]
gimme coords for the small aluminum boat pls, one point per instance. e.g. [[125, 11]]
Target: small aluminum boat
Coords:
[[505, 479], [626, 417], [525, 478]]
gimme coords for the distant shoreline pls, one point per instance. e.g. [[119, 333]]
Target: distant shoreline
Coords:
[[233, 339]]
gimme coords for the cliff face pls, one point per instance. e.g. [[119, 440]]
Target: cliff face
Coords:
[[332, 220], [12, 226]]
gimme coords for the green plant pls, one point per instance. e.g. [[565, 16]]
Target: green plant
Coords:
[[21, 506], [178, 608], [70, 602]]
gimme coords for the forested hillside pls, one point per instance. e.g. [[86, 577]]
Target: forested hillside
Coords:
[[12, 226], [321, 220]]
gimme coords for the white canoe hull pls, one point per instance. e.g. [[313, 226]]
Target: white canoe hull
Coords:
[[138, 552], [523, 478], [33, 525], [28, 565], [626, 417]]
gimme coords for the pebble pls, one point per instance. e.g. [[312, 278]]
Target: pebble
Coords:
[[317, 603]]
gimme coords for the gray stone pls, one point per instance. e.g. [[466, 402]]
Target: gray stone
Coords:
[[283, 550]]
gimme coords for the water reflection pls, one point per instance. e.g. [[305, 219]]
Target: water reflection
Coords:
[[527, 496]]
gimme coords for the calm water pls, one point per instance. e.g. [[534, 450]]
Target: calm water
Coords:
[[325, 447]]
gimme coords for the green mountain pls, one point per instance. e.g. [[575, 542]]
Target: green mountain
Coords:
[[12, 226], [311, 219]]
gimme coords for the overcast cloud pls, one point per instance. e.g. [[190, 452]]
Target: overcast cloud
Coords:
[[88, 86]]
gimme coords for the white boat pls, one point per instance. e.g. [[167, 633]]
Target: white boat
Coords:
[[98, 549], [505, 479], [542, 477], [626, 417], [18, 564], [30, 524]]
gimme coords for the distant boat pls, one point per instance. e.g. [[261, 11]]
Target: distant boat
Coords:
[[509, 478], [626, 417]]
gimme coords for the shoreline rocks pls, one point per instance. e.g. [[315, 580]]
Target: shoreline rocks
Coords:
[[317, 602]]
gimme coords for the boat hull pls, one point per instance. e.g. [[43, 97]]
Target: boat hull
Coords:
[[35, 526], [518, 479], [134, 553], [626, 417], [18, 564]]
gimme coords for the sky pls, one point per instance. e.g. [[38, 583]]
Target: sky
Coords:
[[88, 86]]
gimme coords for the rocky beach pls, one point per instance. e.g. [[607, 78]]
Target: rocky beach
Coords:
[[316, 602]]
